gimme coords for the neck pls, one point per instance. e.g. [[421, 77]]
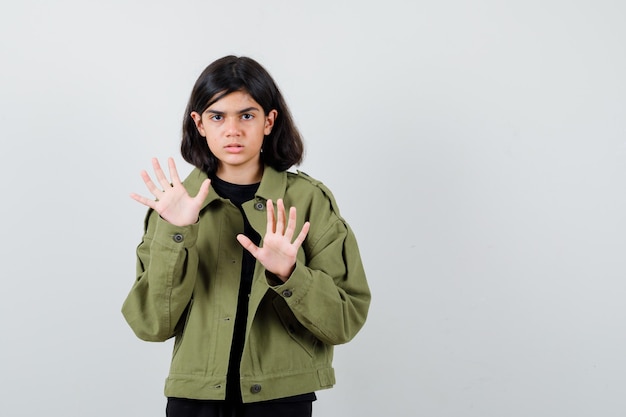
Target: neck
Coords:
[[240, 176]]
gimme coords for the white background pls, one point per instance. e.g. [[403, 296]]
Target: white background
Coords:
[[476, 148]]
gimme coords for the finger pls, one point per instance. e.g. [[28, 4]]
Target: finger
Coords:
[[204, 191], [270, 217], [151, 185], [248, 244], [302, 235], [291, 224], [173, 172], [143, 200], [280, 216], [158, 171]]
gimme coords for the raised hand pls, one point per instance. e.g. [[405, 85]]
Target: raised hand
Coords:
[[173, 202], [278, 254]]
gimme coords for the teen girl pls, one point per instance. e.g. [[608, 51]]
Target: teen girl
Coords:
[[255, 294]]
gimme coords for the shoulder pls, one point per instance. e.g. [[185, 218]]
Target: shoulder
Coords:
[[301, 175], [318, 206], [305, 187]]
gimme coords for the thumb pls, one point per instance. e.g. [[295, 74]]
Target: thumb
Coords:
[[204, 190], [248, 244]]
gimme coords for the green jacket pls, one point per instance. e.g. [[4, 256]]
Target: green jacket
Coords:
[[187, 286]]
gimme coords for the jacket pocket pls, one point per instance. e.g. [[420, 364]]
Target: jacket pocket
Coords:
[[296, 331]]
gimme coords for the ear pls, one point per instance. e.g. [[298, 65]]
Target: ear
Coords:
[[269, 122], [197, 119]]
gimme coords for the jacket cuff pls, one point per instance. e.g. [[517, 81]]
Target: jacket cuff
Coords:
[[297, 286], [175, 237]]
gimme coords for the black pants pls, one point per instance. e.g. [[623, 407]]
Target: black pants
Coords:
[[181, 407]]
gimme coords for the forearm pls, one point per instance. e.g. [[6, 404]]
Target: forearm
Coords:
[[330, 296], [166, 271]]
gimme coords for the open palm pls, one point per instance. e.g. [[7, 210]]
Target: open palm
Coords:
[[173, 202], [278, 253]]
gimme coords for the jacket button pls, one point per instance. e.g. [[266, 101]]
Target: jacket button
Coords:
[[287, 293], [255, 389], [259, 206], [178, 238]]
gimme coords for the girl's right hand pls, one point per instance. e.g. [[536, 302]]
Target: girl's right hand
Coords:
[[173, 202]]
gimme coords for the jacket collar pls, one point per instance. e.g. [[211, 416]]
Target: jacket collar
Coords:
[[273, 185]]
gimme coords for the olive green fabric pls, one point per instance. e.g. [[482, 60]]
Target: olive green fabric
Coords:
[[187, 286]]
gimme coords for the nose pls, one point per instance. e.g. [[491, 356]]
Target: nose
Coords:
[[232, 126]]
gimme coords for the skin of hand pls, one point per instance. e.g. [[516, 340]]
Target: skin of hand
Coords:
[[173, 202], [278, 254]]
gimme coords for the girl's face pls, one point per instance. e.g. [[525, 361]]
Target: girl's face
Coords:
[[234, 128]]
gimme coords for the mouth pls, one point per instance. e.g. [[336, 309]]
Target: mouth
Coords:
[[233, 147]]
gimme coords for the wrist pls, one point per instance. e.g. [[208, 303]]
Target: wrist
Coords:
[[285, 276]]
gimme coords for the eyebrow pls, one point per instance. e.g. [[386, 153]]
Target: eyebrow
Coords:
[[246, 110]]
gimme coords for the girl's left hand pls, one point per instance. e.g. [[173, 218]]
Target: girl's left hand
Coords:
[[278, 254]]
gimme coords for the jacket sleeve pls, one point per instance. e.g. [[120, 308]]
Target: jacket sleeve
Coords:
[[328, 292], [166, 272]]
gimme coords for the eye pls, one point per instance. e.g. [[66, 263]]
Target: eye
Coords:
[[216, 117], [247, 116]]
